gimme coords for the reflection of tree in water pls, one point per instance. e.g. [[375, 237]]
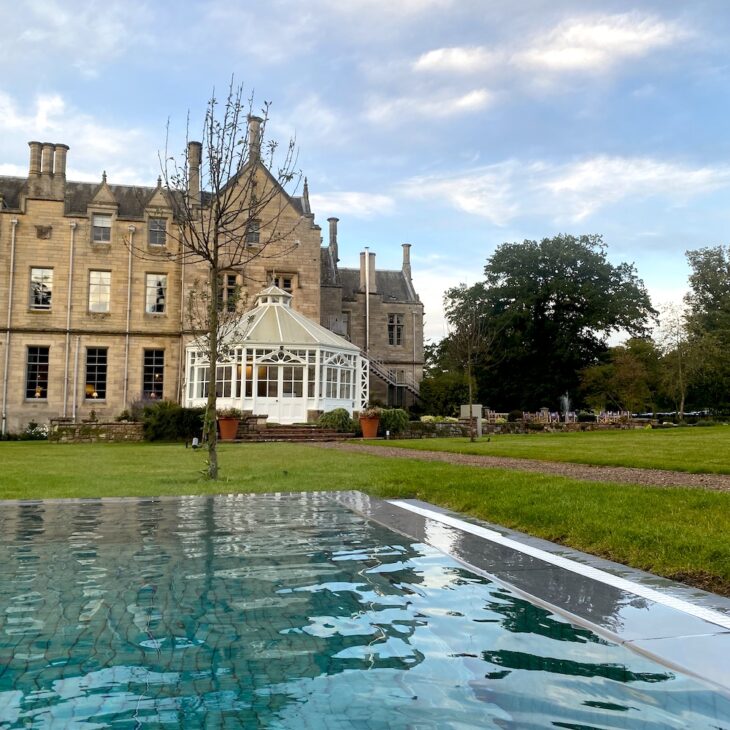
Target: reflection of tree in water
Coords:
[[523, 617], [530, 662]]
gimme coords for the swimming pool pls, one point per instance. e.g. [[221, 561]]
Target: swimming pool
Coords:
[[291, 611]]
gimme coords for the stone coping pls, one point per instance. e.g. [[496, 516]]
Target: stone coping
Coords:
[[681, 627]]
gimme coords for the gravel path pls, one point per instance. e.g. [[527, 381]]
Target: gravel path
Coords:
[[629, 475]]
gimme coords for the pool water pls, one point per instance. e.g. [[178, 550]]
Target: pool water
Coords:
[[290, 611]]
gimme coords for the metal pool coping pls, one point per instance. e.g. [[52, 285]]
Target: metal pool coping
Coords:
[[684, 628]]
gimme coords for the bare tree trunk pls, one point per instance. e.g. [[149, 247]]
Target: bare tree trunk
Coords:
[[210, 424], [472, 422]]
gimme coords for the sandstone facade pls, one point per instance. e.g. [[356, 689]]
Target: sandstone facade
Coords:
[[93, 295]]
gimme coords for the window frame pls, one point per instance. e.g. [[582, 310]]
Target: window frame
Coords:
[[252, 235], [156, 231], [100, 369], [396, 329], [96, 228], [39, 388], [100, 287], [155, 287], [153, 373], [39, 306]]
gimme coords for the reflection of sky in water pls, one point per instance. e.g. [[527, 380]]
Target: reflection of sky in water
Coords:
[[287, 611]]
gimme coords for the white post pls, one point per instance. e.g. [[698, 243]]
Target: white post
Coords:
[[68, 317], [367, 300]]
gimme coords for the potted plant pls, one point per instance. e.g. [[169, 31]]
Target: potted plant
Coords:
[[228, 420], [369, 421]]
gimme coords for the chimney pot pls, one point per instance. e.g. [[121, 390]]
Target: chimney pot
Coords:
[[195, 152], [373, 279], [47, 158], [333, 238], [407, 260], [35, 159]]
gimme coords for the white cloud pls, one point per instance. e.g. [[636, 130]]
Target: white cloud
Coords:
[[460, 59], [599, 43], [395, 110], [356, 204], [568, 192], [94, 146], [86, 34]]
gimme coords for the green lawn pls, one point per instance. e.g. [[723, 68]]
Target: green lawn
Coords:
[[680, 533], [682, 449]]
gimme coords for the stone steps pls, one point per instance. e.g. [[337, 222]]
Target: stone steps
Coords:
[[301, 433]]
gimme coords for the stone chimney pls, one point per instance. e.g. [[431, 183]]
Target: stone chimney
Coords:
[[254, 137], [47, 171], [34, 171], [59, 171], [195, 152], [368, 259], [407, 261], [333, 239]]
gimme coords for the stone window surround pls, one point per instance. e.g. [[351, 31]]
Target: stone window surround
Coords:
[[37, 372], [396, 329], [156, 286], [100, 287], [97, 364], [155, 231], [44, 290], [101, 213]]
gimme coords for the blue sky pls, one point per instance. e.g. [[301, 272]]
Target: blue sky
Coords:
[[453, 125]]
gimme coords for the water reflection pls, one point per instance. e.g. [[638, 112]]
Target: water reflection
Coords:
[[279, 610]]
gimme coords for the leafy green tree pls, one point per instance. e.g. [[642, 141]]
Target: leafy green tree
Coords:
[[553, 305], [629, 379]]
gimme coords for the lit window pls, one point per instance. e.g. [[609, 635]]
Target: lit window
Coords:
[[96, 362], [101, 229], [153, 375], [395, 329], [36, 374], [156, 293], [157, 231], [41, 288], [100, 285]]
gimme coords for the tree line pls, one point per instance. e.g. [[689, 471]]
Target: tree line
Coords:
[[538, 326]]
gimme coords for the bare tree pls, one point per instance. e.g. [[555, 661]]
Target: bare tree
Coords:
[[226, 198]]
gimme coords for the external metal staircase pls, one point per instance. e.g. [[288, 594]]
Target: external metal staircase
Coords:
[[396, 378]]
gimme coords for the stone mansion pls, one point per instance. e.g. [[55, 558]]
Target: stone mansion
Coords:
[[89, 324]]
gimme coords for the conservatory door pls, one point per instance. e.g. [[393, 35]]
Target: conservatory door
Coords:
[[281, 393]]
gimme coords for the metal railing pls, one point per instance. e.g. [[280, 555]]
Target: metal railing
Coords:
[[396, 378]]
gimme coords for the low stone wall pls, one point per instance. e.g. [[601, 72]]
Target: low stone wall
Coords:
[[63, 432], [420, 430]]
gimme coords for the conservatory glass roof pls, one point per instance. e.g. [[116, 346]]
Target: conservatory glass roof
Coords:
[[273, 321]]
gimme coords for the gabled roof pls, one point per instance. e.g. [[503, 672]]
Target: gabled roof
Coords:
[[391, 285]]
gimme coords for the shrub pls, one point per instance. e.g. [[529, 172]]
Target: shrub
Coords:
[[515, 415], [339, 419], [586, 417], [394, 420], [34, 432], [167, 421]]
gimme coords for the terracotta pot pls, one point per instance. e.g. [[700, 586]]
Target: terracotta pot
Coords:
[[369, 426], [228, 427]]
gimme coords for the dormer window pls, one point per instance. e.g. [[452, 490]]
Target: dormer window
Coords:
[[101, 228], [157, 231]]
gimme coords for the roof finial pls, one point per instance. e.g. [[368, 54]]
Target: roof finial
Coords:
[[103, 176], [159, 181], [305, 197]]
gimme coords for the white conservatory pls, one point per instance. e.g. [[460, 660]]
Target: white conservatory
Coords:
[[280, 364]]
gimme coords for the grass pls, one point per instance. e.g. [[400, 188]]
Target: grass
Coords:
[[678, 533], [697, 450]]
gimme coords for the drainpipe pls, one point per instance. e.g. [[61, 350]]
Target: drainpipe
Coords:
[[68, 317], [181, 369], [76, 378], [367, 300], [131, 230], [414, 347], [13, 223]]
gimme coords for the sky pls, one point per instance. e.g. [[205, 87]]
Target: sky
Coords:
[[452, 125]]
